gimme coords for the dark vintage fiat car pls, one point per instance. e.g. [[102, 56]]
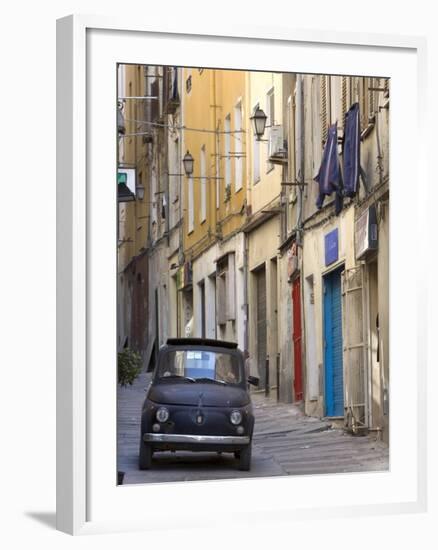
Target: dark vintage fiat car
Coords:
[[198, 400]]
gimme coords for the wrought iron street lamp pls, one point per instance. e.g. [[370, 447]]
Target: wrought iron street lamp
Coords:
[[258, 121], [188, 164]]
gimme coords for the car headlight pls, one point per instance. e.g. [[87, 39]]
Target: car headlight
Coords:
[[162, 414], [236, 417]]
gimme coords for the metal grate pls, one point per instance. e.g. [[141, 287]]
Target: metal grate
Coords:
[[354, 348]]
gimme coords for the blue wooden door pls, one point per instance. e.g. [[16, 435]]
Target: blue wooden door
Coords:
[[333, 369]]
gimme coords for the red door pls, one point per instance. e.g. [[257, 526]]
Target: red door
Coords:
[[296, 336]]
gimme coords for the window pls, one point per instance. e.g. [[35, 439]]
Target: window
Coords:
[[335, 93], [363, 103], [345, 100], [238, 136], [365, 95], [386, 87], [203, 186], [325, 106], [191, 220], [225, 288], [227, 146], [218, 173], [174, 168], [290, 128], [270, 121], [372, 85], [198, 363], [155, 105]]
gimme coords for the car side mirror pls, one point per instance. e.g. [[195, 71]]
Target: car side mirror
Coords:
[[253, 380]]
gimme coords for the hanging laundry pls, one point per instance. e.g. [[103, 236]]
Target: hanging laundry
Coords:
[[351, 151], [329, 176]]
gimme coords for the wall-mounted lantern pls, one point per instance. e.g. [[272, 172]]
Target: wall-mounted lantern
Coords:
[[258, 121], [188, 164], [140, 192]]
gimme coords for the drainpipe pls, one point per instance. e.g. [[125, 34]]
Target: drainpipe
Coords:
[[379, 147], [300, 154], [245, 292], [299, 223], [166, 175], [216, 157], [181, 177]]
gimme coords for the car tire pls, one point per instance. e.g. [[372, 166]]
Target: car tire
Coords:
[[145, 456], [245, 458]]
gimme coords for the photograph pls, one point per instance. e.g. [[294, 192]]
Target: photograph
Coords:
[[253, 267]]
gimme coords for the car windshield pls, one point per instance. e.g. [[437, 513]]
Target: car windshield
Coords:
[[202, 365]]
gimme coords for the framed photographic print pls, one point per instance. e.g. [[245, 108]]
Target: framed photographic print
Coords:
[[236, 313]]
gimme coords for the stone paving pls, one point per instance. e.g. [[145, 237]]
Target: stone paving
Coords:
[[285, 442]]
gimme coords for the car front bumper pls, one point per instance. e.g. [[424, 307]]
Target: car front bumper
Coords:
[[190, 439]]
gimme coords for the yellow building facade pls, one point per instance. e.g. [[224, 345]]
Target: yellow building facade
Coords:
[[215, 199], [263, 229], [214, 134], [133, 209]]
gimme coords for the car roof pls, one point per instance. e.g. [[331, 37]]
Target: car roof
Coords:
[[208, 342]]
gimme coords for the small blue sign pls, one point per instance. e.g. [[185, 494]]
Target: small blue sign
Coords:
[[331, 247]]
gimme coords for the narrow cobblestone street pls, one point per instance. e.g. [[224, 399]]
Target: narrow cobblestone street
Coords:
[[285, 442]]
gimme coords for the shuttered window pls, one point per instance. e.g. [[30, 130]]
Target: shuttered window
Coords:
[[227, 145], [221, 299], [270, 121], [344, 99], [372, 84], [226, 289], [217, 167], [325, 106], [231, 288], [238, 137], [191, 220], [261, 324], [203, 186], [290, 127], [366, 98]]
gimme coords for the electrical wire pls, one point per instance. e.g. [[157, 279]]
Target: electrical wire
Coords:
[[175, 127]]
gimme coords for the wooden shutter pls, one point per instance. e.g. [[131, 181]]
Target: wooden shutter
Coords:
[[155, 105], [324, 107], [386, 86], [221, 299], [231, 288], [261, 325], [372, 83], [291, 144], [344, 99]]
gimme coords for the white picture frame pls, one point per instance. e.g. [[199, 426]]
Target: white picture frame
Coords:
[[88, 500]]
